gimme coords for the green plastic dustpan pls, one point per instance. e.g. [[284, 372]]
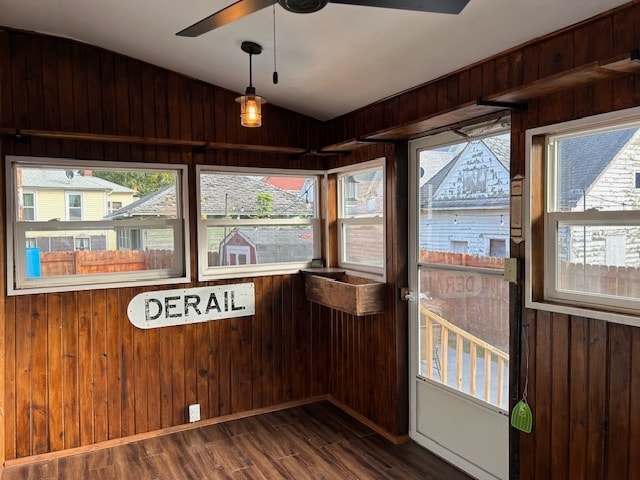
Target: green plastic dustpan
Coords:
[[521, 416]]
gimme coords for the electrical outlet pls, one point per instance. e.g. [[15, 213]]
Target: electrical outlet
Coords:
[[511, 270], [194, 412]]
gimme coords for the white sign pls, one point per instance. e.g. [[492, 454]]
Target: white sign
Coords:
[[193, 305]]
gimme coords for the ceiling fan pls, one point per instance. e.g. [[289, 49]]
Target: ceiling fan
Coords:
[[242, 8]]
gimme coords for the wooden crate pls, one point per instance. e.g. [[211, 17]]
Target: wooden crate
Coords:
[[355, 295]]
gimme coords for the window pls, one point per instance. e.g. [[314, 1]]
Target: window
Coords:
[[459, 246], [113, 206], [82, 243], [589, 205], [129, 239], [28, 206], [256, 222], [461, 228], [74, 241], [497, 248], [361, 229], [74, 206]]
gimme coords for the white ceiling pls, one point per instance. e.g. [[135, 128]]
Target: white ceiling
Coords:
[[329, 63]]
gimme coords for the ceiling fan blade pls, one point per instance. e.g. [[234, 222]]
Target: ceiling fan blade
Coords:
[[229, 14], [436, 6]]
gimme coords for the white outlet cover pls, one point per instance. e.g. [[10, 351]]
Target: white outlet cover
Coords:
[[194, 412]]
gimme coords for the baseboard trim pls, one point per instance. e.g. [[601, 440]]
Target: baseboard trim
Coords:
[[395, 439], [163, 431]]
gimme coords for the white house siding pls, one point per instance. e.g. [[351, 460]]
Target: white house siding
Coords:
[[614, 189], [477, 228], [602, 245], [471, 204], [476, 175]]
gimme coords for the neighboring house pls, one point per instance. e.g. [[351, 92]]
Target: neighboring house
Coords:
[[68, 195], [606, 177], [259, 246], [222, 196], [302, 187], [161, 203], [465, 205], [364, 194]]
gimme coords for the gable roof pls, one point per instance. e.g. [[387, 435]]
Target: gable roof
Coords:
[[584, 158], [159, 203], [221, 196], [437, 161], [498, 147], [60, 179]]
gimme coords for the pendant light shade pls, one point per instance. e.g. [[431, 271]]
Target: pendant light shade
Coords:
[[250, 103], [250, 108]]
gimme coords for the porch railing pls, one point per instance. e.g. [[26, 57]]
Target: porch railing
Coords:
[[440, 339]]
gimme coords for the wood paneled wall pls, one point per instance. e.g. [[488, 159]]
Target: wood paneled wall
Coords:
[[584, 373], [75, 371], [367, 357], [601, 39]]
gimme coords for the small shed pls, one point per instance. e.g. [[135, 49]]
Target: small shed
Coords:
[[261, 246]]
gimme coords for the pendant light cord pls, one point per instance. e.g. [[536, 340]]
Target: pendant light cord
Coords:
[[525, 342], [275, 71]]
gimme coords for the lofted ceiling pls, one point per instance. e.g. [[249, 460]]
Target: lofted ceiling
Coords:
[[329, 63]]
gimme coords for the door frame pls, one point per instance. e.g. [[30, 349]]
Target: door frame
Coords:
[[456, 406]]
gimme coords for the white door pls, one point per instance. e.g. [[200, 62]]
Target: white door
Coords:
[[459, 302]]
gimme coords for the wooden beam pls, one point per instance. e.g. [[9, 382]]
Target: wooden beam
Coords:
[[24, 134], [577, 77], [581, 76]]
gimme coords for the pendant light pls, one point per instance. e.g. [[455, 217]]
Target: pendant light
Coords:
[[250, 103]]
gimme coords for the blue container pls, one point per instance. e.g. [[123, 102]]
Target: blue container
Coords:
[[33, 262]]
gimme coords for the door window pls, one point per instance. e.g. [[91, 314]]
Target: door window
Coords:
[[463, 240]]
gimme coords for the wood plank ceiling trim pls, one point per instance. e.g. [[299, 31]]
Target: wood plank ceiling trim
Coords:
[[152, 141], [577, 77]]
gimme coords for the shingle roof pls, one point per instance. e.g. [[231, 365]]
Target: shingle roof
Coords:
[[584, 158], [221, 195], [231, 195], [42, 178], [501, 148], [160, 203]]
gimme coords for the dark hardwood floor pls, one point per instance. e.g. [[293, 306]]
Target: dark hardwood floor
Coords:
[[317, 441]]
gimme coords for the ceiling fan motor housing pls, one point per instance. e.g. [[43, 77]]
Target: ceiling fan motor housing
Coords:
[[303, 6]]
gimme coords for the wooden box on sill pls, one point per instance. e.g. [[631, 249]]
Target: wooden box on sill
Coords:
[[347, 293]]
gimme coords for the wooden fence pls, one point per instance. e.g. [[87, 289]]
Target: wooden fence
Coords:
[[600, 279], [83, 262]]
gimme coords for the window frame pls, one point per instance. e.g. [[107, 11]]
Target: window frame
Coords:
[[541, 224], [81, 239], [32, 208], [110, 206], [18, 283], [343, 223], [207, 273], [67, 198]]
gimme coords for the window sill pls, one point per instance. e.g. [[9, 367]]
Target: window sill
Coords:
[[611, 317]]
